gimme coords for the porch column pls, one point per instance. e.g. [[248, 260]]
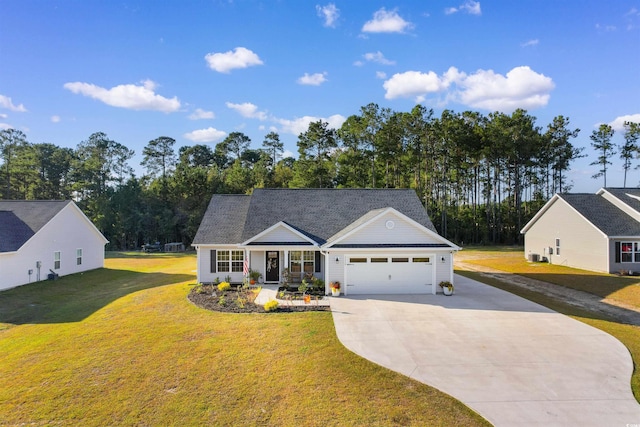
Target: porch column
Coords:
[[286, 259], [326, 272]]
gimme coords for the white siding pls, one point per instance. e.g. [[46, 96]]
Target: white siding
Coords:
[[581, 244], [280, 234], [67, 232], [204, 265], [443, 270], [402, 232]]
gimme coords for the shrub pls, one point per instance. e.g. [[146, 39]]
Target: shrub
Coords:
[[271, 305], [222, 300], [224, 286]]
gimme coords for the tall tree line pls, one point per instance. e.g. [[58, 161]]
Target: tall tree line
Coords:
[[480, 177]]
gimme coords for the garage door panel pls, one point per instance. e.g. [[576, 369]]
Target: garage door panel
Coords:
[[388, 278]]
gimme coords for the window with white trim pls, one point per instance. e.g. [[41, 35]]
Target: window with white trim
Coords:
[[78, 256], [557, 246], [302, 262], [629, 252], [229, 261], [56, 260]]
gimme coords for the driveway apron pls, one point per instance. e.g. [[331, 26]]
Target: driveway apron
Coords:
[[515, 362]]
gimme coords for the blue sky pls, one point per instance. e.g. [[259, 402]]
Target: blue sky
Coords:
[[198, 70]]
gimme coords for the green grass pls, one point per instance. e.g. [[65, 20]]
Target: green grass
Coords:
[[623, 289], [123, 346]]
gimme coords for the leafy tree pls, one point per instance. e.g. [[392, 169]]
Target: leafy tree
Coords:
[[601, 142], [236, 143], [314, 167], [629, 150], [11, 141], [273, 146]]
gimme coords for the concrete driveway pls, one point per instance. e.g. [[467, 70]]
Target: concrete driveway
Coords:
[[511, 360]]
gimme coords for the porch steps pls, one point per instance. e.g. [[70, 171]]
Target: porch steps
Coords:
[[269, 293]]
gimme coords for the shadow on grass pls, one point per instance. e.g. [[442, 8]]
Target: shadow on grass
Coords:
[[75, 297], [142, 255]]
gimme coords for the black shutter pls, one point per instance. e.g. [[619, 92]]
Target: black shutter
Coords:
[[212, 260], [617, 251], [318, 269]]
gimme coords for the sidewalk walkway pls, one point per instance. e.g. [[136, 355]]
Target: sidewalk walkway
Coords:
[[270, 292]]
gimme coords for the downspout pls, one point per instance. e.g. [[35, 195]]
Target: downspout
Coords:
[[326, 271]]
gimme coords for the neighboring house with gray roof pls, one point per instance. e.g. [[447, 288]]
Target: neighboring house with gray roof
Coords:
[[372, 241], [43, 235], [597, 232]]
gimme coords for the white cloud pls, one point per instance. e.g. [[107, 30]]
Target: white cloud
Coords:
[[55, 119], [529, 43], [200, 114], [471, 7], [519, 88], [205, 135], [3, 116], [385, 21], [248, 110], [315, 79], [6, 102], [240, 57], [618, 123], [412, 83], [287, 153], [381, 75], [378, 57], [129, 96], [330, 13], [5, 126], [301, 124]]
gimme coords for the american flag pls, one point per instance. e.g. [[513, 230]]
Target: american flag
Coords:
[[245, 266]]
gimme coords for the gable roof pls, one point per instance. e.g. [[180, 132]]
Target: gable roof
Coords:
[[223, 221], [20, 220], [603, 214], [600, 212], [317, 213]]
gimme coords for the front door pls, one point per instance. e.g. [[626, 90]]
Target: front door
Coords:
[[272, 267]]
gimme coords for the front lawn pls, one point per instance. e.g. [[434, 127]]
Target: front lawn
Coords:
[[124, 346]]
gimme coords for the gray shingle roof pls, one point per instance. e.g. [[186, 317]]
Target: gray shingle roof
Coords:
[[318, 213], [20, 220], [625, 194], [224, 220], [603, 214]]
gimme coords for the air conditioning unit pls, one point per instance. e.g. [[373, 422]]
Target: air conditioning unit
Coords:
[[534, 258]]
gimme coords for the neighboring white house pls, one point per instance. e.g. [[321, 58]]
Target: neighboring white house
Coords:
[[597, 232], [373, 241], [37, 237]]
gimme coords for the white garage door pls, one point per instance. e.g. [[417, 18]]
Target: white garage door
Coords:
[[393, 274]]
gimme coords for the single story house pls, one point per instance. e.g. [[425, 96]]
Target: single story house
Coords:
[[373, 241], [40, 237], [597, 232]]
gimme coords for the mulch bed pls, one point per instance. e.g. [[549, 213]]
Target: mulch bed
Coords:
[[207, 297]]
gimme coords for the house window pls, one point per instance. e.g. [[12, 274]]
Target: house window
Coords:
[[56, 260], [629, 252], [230, 261], [78, 256], [557, 246], [301, 261]]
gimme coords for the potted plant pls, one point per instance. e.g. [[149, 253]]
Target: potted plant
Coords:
[[254, 276], [447, 287], [335, 288]]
